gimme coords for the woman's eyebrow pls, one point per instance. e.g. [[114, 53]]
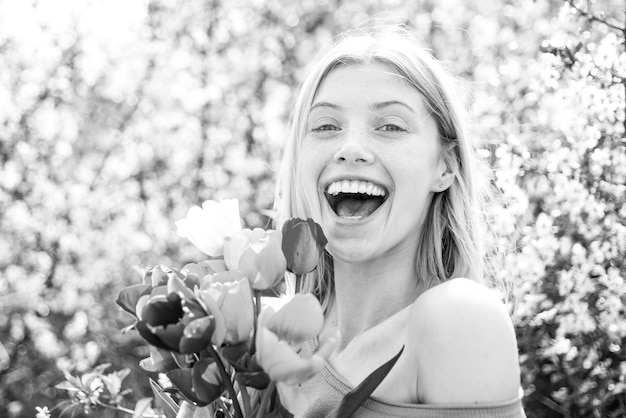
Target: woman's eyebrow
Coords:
[[381, 105], [325, 104], [376, 106]]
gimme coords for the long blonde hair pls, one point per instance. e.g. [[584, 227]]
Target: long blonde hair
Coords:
[[451, 240]]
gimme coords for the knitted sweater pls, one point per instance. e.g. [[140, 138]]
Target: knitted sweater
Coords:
[[327, 388]]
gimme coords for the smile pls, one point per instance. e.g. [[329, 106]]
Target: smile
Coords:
[[355, 199]]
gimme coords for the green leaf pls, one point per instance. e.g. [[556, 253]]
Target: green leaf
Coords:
[[353, 400], [141, 407], [164, 401], [183, 381]]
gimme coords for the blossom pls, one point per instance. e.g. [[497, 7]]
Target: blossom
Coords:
[[228, 298], [257, 254], [299, 320], [280, 334], [207, 227], [160, 321], [203, 268], [303, 244], [42, 412]]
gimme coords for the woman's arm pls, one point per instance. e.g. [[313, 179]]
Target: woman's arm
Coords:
[[463, 344]]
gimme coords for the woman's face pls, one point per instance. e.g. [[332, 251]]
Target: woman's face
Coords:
[[370, 162]]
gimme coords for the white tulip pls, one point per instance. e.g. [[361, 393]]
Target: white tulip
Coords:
[[207, 227]]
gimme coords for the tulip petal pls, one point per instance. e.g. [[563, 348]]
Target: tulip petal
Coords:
[[214, 266], [146, 334], [197, 335], [303, 243], [170, 334], [214, 309], [159, 361], [257, 380], [206, 380], [207, 227], [165, 312], [176, 285], [281, 362], [234, 246], [234, 352], [301, 319], [129, 296], [198, 269]]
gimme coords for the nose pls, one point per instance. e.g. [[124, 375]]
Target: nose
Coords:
[[353, 150]]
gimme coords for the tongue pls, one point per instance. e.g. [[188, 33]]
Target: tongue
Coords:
[[361, 208]]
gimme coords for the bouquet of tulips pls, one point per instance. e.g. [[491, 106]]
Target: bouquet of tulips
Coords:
[[224, 347]]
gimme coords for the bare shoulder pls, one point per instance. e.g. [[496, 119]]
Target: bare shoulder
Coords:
[[463, 344]]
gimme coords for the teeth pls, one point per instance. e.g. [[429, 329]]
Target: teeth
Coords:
[[355, 186]]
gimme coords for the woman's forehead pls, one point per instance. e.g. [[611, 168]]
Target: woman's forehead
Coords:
[[371, 86]]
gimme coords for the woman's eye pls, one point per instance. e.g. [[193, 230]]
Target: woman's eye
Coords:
[[325, 127], [390, 127]]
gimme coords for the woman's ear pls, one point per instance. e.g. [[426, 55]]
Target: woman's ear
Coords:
[[444, 180]]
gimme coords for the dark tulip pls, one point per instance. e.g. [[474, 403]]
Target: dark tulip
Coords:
[[161, 324], [303, 244], [206, 380]]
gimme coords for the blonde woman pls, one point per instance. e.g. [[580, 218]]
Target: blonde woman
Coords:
[[379, 156]]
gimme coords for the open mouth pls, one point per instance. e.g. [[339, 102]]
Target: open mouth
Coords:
[[355, 198]]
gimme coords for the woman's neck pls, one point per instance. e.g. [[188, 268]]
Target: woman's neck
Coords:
[[368, 293]]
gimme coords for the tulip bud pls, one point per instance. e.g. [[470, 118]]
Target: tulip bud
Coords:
[[207, 227], [228, 298], [257, 254], [303, 244]]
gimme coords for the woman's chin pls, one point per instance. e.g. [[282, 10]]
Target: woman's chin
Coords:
[[351, 251]]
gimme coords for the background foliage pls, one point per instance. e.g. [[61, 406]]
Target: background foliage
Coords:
[[116, 116]]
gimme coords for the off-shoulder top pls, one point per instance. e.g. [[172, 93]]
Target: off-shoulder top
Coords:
[[327, 388]]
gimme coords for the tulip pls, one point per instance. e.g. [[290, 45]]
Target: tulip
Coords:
[[228, 298], [303, 244], [299, 320], [159, 361], [258, 255], [161, 321], [207, 227], [159, 275], [278, 338], [204, 268]]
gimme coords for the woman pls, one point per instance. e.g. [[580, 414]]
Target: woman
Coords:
[[378, 156]]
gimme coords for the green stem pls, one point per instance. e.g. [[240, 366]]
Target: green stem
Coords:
[[266, 399], [227, 381], [245, 397], [258, 306], [299, 283]]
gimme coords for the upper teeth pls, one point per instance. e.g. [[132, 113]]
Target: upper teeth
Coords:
[[355, 186]]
